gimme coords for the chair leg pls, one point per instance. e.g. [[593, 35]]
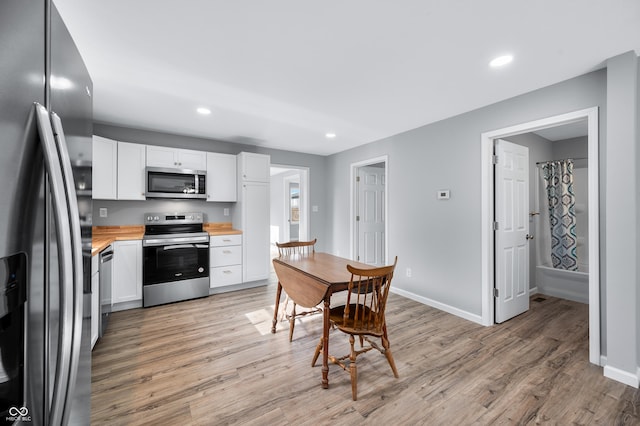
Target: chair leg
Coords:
[[387, 352], [353, 369], [318, 350], [292, 322]]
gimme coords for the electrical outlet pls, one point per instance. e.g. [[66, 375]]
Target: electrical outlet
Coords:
[[103, 212], [408, 272], [226, 211]]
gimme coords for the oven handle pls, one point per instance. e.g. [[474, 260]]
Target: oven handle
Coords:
[[178, 246], [169, 241]]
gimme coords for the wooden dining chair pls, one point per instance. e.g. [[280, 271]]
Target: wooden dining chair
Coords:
[[288, 249], [363, 316]]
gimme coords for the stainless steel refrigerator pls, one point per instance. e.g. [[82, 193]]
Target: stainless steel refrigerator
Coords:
[[45, 219]]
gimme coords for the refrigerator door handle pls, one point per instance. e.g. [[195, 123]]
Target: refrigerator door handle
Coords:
[[74, 217], [61, 217]]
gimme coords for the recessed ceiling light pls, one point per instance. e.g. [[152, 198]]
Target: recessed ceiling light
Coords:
[[203, 111], [330, 135], [501, 61]]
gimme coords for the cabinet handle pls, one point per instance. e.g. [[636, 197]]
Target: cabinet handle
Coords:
[[226, 240], [226, 251], [226, 272]]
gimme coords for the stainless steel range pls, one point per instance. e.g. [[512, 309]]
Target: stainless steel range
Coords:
[[176, 258]]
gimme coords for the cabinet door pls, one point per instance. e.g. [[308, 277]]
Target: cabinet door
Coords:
[[255, 231], [221, 177], [127, 271], [131, 171], [104, 174], [254, 167], [160, 156], [192, 160]]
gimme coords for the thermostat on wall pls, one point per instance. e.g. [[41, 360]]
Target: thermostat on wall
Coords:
[[443, 194]]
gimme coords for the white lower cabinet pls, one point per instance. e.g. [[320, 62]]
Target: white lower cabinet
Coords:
[[225, 260], [127, 274], [95, 299]]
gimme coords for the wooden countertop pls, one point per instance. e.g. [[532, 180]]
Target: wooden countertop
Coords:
[[220, 228], [104, 235]]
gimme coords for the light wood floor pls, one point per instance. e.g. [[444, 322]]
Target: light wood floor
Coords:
[[213, 361]]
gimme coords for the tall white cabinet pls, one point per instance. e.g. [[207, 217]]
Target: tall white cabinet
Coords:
[[251, 214]]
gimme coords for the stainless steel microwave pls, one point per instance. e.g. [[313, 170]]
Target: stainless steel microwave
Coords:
[[175, 183]]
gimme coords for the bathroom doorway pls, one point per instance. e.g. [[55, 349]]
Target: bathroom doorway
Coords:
[[488, 207]]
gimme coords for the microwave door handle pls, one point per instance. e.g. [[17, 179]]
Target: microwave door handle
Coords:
[[76, 254], [178, 246], [61, 218]]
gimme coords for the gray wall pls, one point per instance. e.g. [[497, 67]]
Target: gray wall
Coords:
[[132, 212], [622, 231], [435, 237]]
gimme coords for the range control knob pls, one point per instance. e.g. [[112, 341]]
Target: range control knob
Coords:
[[156, 218], [149, 218]]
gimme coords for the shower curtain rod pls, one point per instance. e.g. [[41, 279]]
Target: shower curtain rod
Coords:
[[561, 159]]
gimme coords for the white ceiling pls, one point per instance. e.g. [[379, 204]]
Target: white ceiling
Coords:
[[282, 73]]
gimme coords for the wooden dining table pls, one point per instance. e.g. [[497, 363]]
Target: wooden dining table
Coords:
[[311, 279]]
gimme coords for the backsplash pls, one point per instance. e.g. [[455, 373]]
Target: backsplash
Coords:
[[132, 212]]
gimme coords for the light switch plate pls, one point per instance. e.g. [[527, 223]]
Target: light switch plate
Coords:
[[103, 212]]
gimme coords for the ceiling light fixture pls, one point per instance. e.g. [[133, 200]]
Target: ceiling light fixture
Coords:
[[204, 111], [501, 61], [330, 135]]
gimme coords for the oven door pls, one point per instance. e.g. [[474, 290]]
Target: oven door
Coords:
[[174, 262]]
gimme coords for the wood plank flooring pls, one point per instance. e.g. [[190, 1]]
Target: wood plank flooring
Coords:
[[213, 361]]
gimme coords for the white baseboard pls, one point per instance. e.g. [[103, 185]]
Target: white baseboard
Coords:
[[623, 376], [443, 307], [533, 291]]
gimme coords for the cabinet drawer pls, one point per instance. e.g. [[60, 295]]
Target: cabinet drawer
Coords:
[[225, 240], [222, 256], [225, 275]]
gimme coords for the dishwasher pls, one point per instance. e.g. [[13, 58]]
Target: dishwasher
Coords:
[[106, 272]]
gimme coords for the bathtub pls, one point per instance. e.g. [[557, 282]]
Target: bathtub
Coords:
[[572, 285]]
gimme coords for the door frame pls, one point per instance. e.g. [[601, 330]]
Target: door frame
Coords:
[[288, 180], [487, 216], [354, 202], [303, 173]]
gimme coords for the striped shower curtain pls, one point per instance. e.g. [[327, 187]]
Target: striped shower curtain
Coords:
[[558, 176]]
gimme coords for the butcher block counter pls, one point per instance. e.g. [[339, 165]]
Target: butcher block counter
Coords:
[[102, 236], [105, 235], [220, 228]]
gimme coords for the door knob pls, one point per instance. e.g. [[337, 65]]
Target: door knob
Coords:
[[529, 237]]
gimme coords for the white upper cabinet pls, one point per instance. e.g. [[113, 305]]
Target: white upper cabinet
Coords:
[[254, 167], [104, 173], [131, 171], [175, 158], [221, 177]]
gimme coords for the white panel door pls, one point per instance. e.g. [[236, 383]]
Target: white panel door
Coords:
[[371, 212], [512, 235]]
